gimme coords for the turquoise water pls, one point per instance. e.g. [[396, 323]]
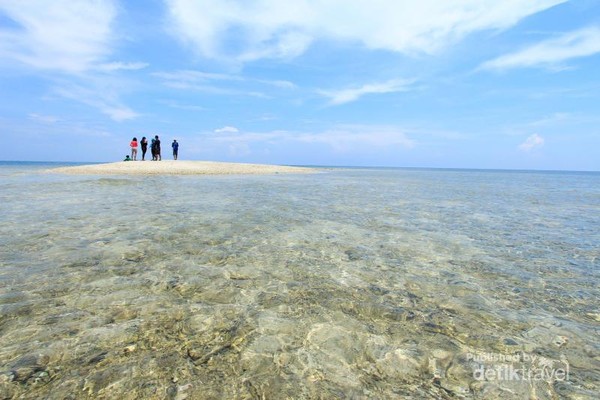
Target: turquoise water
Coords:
[[348, 283]]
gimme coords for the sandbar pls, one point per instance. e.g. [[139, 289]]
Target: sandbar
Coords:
[[180, 168]]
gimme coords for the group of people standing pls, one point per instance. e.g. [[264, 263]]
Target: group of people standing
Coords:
[[154, 149]]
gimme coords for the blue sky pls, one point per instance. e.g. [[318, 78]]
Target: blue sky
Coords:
[[461, 84]]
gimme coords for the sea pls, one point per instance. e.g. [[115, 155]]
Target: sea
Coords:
[[349, 283]]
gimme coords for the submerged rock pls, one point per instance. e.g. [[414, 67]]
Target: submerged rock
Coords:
[[28, 365]]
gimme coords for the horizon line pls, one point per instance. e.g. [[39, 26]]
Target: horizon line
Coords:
[[331, 166]]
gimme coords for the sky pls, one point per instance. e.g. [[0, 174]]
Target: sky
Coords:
[[506, 84]]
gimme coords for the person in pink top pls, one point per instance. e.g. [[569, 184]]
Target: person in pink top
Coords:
[[134, 147]]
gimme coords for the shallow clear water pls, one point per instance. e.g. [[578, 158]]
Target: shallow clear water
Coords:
[[350, 283]]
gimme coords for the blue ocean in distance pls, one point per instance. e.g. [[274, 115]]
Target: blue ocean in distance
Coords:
[[346, 283]]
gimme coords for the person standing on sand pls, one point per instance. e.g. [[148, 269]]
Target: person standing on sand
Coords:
[[134, 147], [157, 145], [175, 147], [144, 144], [153, 149]]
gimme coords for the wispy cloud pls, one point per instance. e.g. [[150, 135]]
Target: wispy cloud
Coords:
[[46, 119], [189, 107], [55, 128], [189, 76], [220, 84], [551, 53], [276, 29], [553, 120], [532, 142], [192, 77], [102, 97], [68, 38], [342, 138], [227, 129], [352, 137], [342, 96], [205, 82], [278, 83], [63, 35], [118, 66]]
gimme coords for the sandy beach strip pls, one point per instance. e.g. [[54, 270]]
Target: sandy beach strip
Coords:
[[179, 168]]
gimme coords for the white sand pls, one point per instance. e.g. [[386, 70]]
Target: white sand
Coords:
[[180, 168]]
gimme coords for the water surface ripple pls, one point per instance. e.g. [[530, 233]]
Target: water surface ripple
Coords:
[[351, 283]]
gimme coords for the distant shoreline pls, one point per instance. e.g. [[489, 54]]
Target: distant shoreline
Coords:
[[169, 167]]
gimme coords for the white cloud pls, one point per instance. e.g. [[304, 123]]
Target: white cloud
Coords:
[[46, 119], [117, 66], [532, 142], [72, 37], [551, 53], [64, 35], [267, 117], [100, 95], [279, 29], [350, 137], [227, 129], [117, 112], [219, 84], [189, 107], [348, 95], [279, 84], [553, 120], [342, 138], [202, 82], [189, 76]]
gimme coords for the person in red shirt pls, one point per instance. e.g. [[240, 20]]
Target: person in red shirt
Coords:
[[134, 147]]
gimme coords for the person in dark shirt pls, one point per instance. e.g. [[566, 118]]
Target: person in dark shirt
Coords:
[[175, 147], [157, 148], [144, 144]]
